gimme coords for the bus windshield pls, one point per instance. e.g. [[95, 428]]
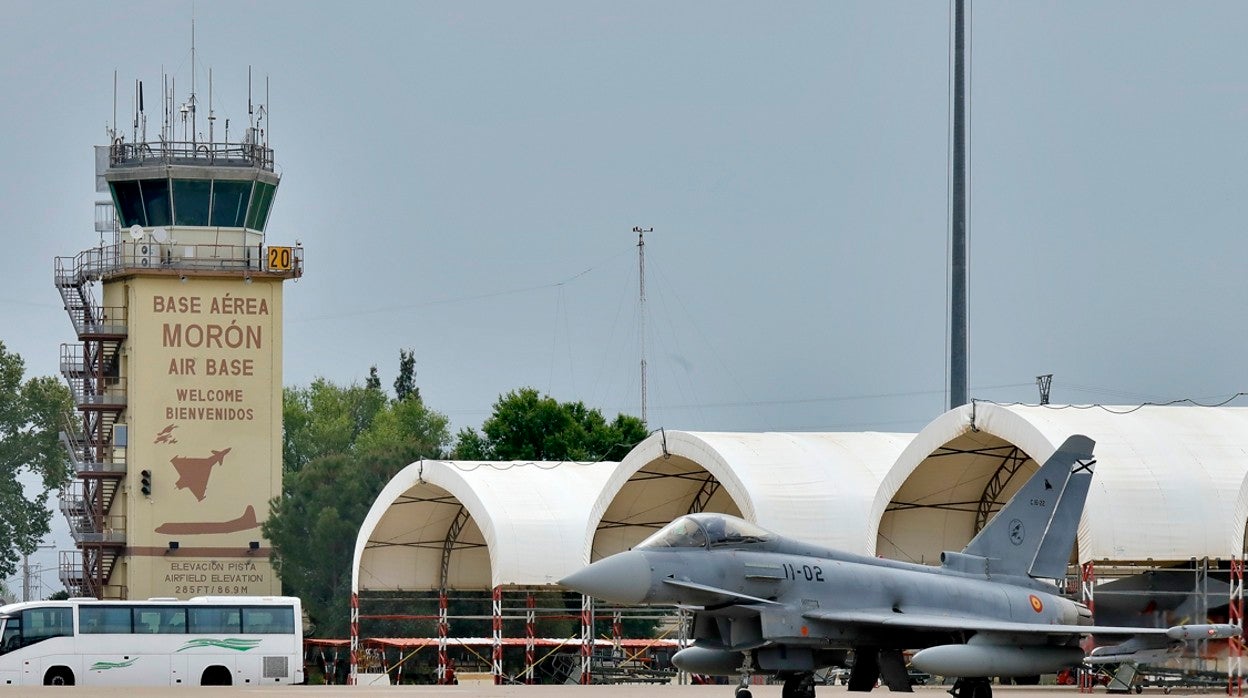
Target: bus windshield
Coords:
[[10, 633]]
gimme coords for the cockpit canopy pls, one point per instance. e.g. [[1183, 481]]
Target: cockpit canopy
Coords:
[[706, 530]]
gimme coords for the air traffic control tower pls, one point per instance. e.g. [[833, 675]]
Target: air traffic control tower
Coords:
[[177, 371]]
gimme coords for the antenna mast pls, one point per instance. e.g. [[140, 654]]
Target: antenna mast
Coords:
[[194, 126], [641, 273]]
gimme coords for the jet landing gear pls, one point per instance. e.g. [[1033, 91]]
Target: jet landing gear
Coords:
[[972, 688], [747, 670], [800, 685]]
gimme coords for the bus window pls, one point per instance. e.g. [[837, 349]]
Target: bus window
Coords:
[[214, 620], [269, 620], [43, 623], [98, 620], [163, 620]]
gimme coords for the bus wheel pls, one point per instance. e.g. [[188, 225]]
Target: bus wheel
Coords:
[[58, 676], [216, 676]]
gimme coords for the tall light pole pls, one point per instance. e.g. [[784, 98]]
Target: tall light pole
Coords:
[[957, 247], [641, 272]]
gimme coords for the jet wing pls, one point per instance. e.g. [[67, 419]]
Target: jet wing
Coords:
[[935, 621]]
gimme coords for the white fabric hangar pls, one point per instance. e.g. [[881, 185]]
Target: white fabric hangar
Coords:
[[1171, 482], [474, 525], [818, 487]]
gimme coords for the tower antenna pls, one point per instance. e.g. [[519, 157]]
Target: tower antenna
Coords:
[[641, 273], [211, 117], [194, 121]]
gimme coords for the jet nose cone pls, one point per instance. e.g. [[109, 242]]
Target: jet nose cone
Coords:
[[622, 578]]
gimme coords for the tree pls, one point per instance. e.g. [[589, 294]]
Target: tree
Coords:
[[406, 427], [313, 529], [324, 419], [345, 444], [527, 426], [31, 414], [405, 383]]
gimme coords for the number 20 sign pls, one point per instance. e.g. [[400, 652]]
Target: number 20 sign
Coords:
[[281, 258]]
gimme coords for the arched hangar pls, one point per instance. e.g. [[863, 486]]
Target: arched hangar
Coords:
[[1170, 481]]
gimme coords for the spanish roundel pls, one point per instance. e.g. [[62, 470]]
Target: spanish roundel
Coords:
[[1036, 604]]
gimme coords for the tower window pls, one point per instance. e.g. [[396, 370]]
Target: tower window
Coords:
[[229, 203], [156, 201]]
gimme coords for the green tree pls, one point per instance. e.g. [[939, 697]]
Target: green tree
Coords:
[[407, 428], [313, 529], [324, 418], [349, 442], [405, 383], [527, 426], [31, 414]]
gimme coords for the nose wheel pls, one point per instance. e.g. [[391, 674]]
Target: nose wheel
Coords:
[[747, 671]]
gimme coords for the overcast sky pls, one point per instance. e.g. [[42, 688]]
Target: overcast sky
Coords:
[[464, 178]]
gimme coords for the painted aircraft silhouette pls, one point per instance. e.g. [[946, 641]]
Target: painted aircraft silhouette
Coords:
[[763, 603]]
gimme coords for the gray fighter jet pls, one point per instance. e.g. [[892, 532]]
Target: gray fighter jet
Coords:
[[763, 603]]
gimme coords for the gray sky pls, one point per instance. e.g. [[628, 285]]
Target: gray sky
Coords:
[[465, 176]]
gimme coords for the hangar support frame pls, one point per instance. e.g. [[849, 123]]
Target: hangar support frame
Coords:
[[991, 499], [582, 644]]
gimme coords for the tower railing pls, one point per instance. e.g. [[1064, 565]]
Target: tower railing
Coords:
[[90, 319], [86, 523], [84, 459], [130, 256], [75, 573], [88, 392], [245, 154]]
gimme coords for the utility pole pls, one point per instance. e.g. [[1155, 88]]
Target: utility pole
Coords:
[[26, 572], [641, 272]]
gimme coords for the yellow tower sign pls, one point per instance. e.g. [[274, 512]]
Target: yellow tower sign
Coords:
[[177, 371]]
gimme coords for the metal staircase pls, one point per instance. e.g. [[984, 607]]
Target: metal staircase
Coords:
[[92, 369]]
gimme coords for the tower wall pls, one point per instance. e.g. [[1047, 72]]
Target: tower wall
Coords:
[[203, 370]]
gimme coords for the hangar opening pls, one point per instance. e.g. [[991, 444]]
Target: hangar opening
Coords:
[[951, 496], [427, 539], [658, 492]]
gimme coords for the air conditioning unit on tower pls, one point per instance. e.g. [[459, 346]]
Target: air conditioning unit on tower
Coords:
[[145, 254]]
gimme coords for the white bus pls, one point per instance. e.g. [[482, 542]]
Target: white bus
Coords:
[[207, 640]]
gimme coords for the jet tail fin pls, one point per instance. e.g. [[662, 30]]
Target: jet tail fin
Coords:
[[1034, 532]]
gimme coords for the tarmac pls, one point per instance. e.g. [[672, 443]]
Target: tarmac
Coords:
[[616, 691]]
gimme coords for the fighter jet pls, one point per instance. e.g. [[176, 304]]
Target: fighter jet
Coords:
[[764, 603]]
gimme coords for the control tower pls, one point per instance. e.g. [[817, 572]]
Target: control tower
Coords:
[[177, 371]]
